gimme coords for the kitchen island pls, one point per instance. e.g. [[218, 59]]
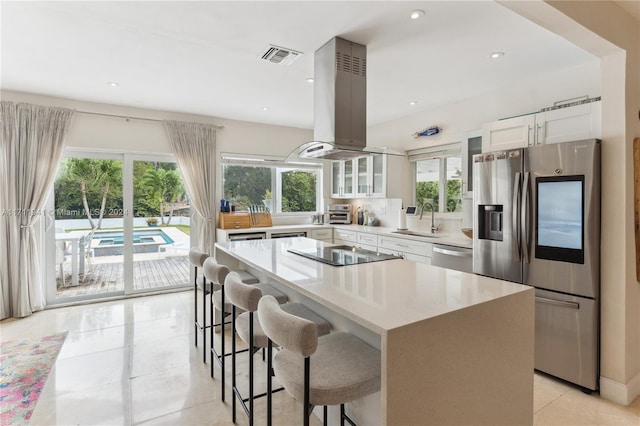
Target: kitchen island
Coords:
[[456, 348]]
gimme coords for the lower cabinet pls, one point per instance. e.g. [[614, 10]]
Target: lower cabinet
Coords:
[[367, 241], [343, 236], [325, 234], [417, 251]]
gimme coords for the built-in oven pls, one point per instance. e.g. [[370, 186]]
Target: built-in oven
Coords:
[[241, 236]]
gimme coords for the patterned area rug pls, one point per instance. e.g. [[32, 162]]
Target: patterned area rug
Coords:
[[24, 367]]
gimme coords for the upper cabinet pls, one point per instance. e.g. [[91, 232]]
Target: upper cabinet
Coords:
[[362, 177], [342, 179], [559, 125], [371, 176]]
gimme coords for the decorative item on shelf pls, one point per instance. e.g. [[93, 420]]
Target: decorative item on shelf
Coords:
[[584, 99], [152, 221], [429, 131]]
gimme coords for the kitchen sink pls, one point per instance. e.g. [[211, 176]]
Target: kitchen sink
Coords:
[[416, 234]]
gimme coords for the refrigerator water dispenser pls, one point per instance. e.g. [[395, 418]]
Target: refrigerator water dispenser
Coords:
[[490, 222]]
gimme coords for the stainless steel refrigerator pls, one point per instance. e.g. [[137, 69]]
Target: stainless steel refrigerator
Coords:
[[537, 222]]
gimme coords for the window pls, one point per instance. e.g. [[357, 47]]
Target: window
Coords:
[[281, 187], [438, 178]]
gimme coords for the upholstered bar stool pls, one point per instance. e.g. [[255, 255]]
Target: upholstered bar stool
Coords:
[[217, 273], [246, 297], [328, 370], [197, 259]]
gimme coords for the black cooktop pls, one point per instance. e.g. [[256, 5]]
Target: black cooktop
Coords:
[[343, 255]]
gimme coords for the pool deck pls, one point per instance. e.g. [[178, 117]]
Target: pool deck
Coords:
[[149, 274], [168, 267]]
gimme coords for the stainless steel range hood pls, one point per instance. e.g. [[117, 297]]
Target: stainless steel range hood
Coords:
[[340, 104]]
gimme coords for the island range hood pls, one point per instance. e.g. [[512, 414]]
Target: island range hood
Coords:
[[340, 104]]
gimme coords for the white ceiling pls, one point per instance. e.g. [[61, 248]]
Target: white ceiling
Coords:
[[203, 57]]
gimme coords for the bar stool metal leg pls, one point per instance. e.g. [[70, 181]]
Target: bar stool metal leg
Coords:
[[233, 361], [204, 319], [195, 305], [220, 358], [269, 381]]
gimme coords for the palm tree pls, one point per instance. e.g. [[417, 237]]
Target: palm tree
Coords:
[[98, 174], [165, 187]]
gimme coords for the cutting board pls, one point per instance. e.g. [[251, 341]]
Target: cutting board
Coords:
[[636, 186]]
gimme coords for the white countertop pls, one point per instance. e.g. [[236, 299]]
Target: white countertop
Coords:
[[454, 239], [381, 296], [457, 239]]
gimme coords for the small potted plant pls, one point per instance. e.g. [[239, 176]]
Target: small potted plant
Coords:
[[152, 221], [267, 201]]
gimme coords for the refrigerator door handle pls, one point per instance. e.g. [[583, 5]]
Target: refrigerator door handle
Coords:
[[562, 303], [515, 223], [525, 224]]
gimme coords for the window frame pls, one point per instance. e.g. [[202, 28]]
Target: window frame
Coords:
[[441, 153], [275, 164]]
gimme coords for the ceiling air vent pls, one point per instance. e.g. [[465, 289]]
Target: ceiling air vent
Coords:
[[280, 55]]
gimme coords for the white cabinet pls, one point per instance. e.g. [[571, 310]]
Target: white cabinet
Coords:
[[508, 134], [371, 176], [343, 236], [569, 124], [417, 251], [367, 241], [323, 234], [342, 179], [559, 125]]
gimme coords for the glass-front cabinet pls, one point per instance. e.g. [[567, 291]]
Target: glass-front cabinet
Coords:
[[342, 179], [371, 174]]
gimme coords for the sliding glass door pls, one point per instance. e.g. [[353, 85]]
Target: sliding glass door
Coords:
[[120, 226], [160, 226]]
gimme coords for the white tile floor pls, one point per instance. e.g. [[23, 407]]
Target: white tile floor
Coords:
[[133, 362]]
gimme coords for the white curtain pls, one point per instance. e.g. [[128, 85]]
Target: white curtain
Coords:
[[30, 151], [195, 147]]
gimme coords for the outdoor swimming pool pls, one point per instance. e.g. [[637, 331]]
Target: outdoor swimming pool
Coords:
[[111, 243]]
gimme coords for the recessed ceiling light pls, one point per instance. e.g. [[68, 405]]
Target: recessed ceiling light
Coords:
[[412, 103], [309, 80], [416, 14], [113, 84], [265, 108], [496, 55]]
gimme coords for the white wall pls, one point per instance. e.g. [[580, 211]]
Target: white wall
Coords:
[[118, 134], [468, 115]]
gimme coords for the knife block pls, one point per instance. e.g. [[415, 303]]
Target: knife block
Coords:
[[261, 219]]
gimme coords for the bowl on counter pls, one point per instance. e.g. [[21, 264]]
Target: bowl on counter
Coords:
[[468, 232]]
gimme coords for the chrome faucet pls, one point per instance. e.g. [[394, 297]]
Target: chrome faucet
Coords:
[[434, 228]]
